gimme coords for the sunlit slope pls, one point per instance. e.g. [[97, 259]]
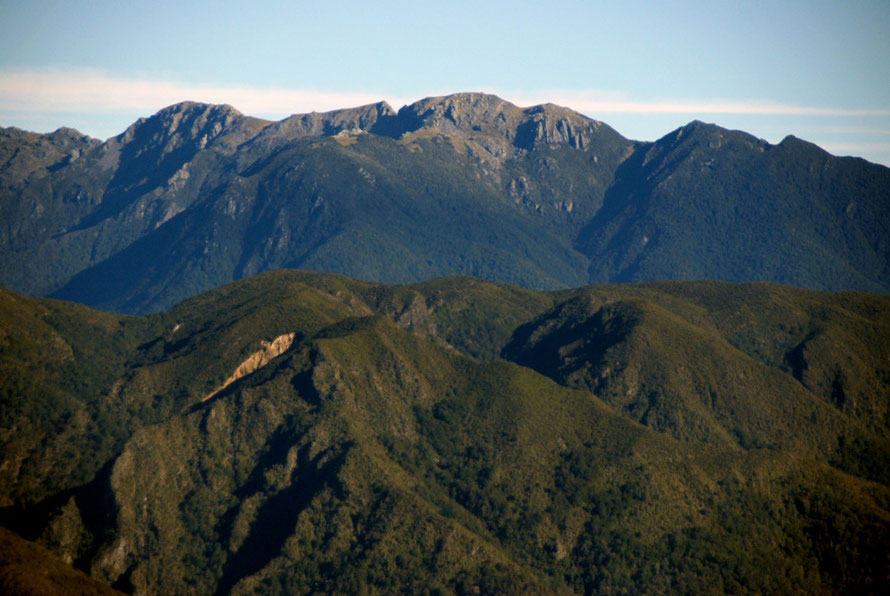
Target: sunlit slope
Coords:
[[654, 438]]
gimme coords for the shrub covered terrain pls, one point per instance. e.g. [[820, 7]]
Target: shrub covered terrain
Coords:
[[452, 436]]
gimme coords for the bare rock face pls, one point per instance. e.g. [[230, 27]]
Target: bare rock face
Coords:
[[499, 125], [257, 360], [23, 153], [186, 126], [550, 124], [359, 119], [463, 114]]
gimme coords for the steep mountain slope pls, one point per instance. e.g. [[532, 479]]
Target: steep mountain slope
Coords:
[[685, 440], [657, 354], [707, 203], [28, 568], [22, 152], [200, 195], [89, 205], [321, 205]]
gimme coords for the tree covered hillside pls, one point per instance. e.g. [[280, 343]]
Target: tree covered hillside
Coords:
[[200, 195], [301, 432]]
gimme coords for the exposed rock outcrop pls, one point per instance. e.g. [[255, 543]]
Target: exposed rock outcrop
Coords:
[[257, 360], [359, 119], [499, 126]]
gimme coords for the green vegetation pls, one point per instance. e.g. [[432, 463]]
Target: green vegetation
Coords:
[[708, 203], [657, 438], [197, 196], [28, 568]]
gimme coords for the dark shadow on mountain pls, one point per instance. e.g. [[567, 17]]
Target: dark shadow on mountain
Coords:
[[591, 335], [277, 517], [389, 125], [94, 501], [623, 201], [122, 281]]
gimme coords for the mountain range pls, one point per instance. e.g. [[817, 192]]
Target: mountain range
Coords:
[[379, 351], [200, 195], [297, 432]]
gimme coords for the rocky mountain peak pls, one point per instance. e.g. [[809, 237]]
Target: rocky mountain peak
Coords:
[[462, 113], [479, 116], [696, 128], [66, 133], [182, 123], [360, 119], [23, 152], [197, 107], [550, 124], [699, 143], [793, 142]]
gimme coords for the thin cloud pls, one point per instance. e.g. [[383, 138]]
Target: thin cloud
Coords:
[[88, 91], [853, 130], [615, 103], [855, 147]]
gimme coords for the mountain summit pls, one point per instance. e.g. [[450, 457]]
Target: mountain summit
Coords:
[[477, 115], [198, 195]]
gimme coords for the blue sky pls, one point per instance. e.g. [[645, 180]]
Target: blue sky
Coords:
[[818, 70]]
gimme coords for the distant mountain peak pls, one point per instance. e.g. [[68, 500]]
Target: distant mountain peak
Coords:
[[705, 138], [476, 115], [68, 133], [793, 141], [198, 107], [377, 109], [698, 126], [473, 104], [183, 123], [461, 113], [23, 153], [358, 119], [199, 194]]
